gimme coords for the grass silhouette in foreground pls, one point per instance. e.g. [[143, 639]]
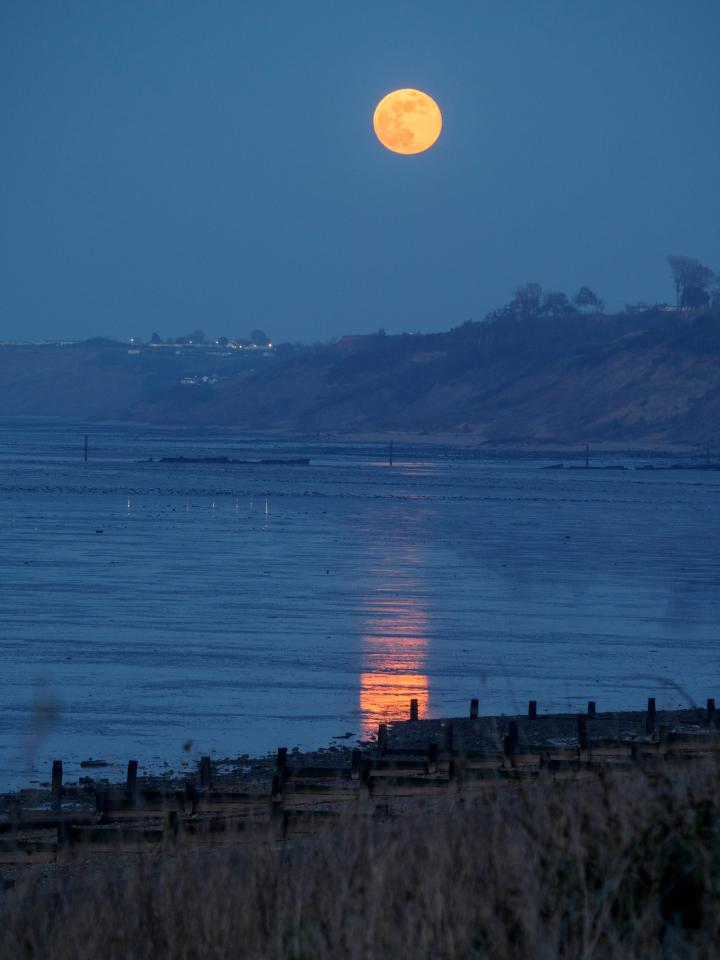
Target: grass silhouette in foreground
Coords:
[[610, 866]]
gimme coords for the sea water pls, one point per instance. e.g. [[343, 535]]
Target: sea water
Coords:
[[162, 611]]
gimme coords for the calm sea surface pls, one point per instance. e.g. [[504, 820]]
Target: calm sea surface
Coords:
[[242, 607]]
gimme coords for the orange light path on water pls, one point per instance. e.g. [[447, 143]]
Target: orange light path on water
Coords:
[[395, 647]]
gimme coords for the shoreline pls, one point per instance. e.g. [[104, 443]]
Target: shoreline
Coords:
[[401, 738], [460, 440], [429, 768]]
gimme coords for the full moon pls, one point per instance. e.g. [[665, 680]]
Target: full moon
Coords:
[[407, 121]]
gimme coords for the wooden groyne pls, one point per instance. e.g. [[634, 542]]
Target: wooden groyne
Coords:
[[409, 759]]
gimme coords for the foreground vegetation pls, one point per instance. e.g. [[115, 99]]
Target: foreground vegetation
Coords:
[[606, 867]]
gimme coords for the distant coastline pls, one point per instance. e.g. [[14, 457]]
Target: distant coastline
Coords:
[[647, 379], [440, 439]]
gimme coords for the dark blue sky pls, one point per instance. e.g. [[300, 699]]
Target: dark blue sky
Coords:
[[169, 165]]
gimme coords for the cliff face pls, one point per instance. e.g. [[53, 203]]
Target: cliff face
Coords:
[[640, 379]]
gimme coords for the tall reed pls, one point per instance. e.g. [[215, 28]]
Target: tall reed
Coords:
[[611, 867]]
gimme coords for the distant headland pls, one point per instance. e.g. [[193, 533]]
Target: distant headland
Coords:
[[545, 369]]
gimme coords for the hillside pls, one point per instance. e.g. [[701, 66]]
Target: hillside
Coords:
[[647, 377]]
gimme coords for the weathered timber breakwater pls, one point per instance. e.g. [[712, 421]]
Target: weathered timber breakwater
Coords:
[[294, 793], [535, 730]]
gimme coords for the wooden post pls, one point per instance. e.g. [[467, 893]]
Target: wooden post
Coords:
[[86, 448], [205, 772], [457, 768], [473, 709], [710, 710], [131, 782], [591, 709], [582, 732], [391, 453], [510, 740], [587, 455], [449, 738], [432, 758], [191, 797], [56, 787], [63, 833], [355, 765], [171, 825], [650, 721], [532, 709], [413, 709], [277, 807], [281, 763], [382, 739], [365, 791], [102, 803]]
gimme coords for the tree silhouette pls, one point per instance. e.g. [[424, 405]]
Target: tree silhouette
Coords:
[[585, 299], [556, 304], [692, 280], [527, 301]]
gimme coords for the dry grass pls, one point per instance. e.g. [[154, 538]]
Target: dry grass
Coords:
[[604, 868]]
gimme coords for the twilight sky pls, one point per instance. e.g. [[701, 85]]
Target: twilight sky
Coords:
[[172, 165]]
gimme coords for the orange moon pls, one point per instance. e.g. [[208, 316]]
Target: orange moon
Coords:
[[407, 121]]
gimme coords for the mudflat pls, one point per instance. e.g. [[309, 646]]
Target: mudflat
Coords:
[[161, 612]]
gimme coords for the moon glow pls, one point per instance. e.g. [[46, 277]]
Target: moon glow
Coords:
[[407, 121]]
